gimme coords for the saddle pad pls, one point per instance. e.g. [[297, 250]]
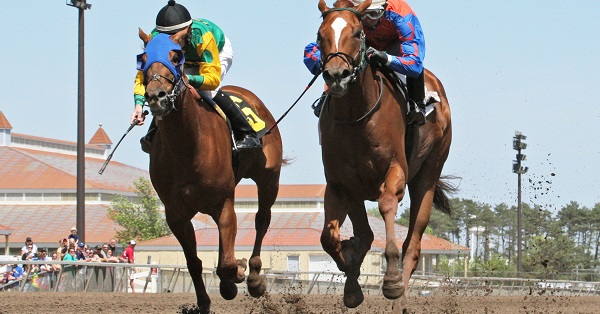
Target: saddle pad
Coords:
[[259, 126]]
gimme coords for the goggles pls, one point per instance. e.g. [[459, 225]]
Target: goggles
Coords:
[[373, 14]]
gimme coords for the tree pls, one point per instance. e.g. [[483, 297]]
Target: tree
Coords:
[[141, 221]]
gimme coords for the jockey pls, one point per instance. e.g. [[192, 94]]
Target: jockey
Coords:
[[203, 69], [395, 40]]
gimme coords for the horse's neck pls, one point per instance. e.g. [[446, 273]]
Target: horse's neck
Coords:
[[363, 93], [184, 122]]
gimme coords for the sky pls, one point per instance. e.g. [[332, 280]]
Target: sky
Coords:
[[507, 65]]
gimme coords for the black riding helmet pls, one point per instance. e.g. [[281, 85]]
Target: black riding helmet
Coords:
[[172, 18]]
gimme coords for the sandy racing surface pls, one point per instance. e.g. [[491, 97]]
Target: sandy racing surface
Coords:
[[64, 303]]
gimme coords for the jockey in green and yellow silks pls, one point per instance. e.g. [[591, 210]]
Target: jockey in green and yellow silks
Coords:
[[208, 58]]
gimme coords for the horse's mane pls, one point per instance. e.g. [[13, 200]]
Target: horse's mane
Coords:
[[343, 4]]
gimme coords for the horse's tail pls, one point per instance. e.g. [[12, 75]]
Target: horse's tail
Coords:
[[440, 196]]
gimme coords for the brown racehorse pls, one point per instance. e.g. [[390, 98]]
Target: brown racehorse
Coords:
[[370, 153], [191, 168]]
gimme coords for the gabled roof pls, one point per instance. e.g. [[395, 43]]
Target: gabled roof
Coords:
[[29, 169], [4, 124], [100, 137], [46, 224]]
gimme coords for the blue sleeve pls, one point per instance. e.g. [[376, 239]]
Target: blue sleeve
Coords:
[[412, 47], [312, 57]]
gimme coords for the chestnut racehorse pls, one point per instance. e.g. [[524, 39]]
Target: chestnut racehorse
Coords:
[[193, 169], [370, 153]]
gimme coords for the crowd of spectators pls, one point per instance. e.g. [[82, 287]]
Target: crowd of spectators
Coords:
[[69, 248]]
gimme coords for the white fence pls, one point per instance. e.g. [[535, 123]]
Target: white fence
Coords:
[[159, 278]]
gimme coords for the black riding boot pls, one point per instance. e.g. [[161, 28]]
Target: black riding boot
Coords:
[[146, 140], [317, 108], [239, 123], [416, 97]]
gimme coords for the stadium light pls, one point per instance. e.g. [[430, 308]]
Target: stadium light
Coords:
[[81, 6], [517, 168]]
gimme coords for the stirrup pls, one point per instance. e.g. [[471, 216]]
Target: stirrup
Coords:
[[416, 116], [250, 141]]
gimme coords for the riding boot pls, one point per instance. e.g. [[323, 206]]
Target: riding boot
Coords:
[[146, 140], [317, 108], [416, 97], [240, 125]]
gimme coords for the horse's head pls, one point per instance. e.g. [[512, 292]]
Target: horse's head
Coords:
[[342, 43], [162, 65]]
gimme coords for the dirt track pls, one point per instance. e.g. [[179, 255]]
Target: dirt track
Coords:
[[65, 303]]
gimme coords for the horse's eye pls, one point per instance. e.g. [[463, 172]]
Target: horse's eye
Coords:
[[358, 33], [176, 59], [319, 39]]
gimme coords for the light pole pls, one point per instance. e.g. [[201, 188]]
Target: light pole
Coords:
[[518, 145], [81, 5]]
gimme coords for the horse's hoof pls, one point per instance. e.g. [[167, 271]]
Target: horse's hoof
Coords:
[[353, 295], [392, 290], [257, 285], [228, 289], [242, 265]]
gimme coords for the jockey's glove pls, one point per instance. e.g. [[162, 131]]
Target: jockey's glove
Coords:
[[375, 56]]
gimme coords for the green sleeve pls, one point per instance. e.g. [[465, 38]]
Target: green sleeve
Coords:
[[139, 99], [195, 80]]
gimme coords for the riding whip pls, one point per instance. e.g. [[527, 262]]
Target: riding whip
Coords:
[[295, 102], [134, 123]]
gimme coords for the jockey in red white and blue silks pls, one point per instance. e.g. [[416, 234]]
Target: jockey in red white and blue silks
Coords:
[[398, 33]]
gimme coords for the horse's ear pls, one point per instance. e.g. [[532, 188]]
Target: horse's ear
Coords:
[[323, 6], [143, 36], [363, 6]]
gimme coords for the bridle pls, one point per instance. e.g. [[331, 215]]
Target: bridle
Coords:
[[348, 59], [177, 86]]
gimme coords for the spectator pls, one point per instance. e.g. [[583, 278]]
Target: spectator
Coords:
[[100, 252], [74, 235], [29, 253], [129, 257], [56, 267], [25, 248], [112, 245], [17, 273], [43, 256], [80, 253], [63, 248], [71, 256], [111, 258]]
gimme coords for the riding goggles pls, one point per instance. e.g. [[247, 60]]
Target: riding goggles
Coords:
[[373, 14]]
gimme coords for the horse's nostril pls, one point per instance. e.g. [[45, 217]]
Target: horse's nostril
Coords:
[[327, 76], [162, 94], [346, 73]]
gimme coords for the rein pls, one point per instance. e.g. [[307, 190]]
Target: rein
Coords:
[[370, 112]]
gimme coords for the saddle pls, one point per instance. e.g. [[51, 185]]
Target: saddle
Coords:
[[431, 97]]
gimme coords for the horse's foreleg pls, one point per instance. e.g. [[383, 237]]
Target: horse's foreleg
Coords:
[[421, 201], [344, 253], [393, 192], [184, 232], [227, 267], [266, 198]]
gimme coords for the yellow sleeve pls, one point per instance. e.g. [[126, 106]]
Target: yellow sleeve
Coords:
[[210, 66], [138, 88]]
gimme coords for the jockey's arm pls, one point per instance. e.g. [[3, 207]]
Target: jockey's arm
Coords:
[[209, 76], [312, 57], [138, 97]]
